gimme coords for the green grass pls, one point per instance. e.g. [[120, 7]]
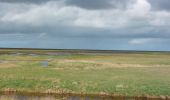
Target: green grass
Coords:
[[89, 73]]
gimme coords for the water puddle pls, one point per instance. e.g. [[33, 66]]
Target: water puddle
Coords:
[[49, 97], [44, 63]]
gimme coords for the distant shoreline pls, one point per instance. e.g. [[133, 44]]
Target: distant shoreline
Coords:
[[87, 50]]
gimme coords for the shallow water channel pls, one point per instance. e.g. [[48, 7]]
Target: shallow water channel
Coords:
[[49, 97], [71, 97]]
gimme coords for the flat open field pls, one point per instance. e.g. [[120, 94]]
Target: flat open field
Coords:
[[128, 73]]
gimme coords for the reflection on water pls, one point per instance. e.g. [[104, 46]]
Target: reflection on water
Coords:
[[16, 96], [21, 97], [50, 97]]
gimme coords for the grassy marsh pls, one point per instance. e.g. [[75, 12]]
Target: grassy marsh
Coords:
[[121, 73]]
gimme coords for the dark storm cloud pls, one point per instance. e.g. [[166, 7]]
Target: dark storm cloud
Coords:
[[99, 4], [160, 4], [90, 4], [86, 4]]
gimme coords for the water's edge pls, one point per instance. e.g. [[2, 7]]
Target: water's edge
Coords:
[[81, 95]]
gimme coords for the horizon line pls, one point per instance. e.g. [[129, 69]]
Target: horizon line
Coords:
[[85, 49]]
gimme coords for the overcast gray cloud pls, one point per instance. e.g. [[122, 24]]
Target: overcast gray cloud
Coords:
[[96, 4], [87, 4], [160, 4], [25, 1], [99, 4], [129, 23]]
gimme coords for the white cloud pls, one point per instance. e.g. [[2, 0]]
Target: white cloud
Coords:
[[139, 9], [141, 41], [42, 35], [160, 18], [11, 36], [138, 18], [54, 20]]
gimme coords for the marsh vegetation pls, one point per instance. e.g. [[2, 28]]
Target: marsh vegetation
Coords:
[[143, 73]]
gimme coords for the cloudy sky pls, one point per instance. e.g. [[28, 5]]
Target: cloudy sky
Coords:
[[85, 24]]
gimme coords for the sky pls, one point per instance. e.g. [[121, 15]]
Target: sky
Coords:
[[85, 24]]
